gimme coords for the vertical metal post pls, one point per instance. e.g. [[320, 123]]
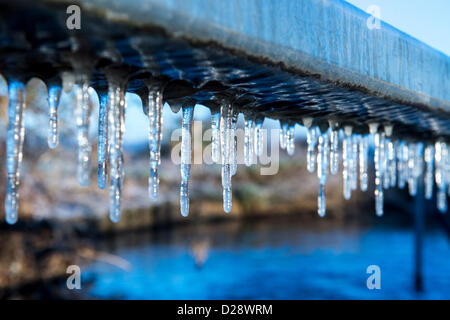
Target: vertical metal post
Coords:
[[419, 222]]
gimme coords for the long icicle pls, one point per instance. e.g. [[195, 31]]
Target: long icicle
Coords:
[[54, 93], [186, 153], [14, 146], [215, 136], [428, 178], [378, 159], [363, 162], [226, 140], [322, 164], [248, 139], [154, 140], [233, 149], [440, 158], [283, 134], [290, 139], [116, 129], [347, 163], [258, 136], [102, 149], [334, 147], [311, 139], [82, 115]]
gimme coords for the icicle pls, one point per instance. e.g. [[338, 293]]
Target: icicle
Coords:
[[290, 139], [102, 149], [354, 162], [378, 159], [363, 162], [322, 164], [215, 137], [116, 129], [346, 158], [311, 139], [412, 182], [429, 161], [283, 134], [233, 151], [226, 145], [258, 136], [248, 140], [186, 153], [14, 146], [441, 154], [334, 148], [403, 164], [82, 115], [154, 140], [392, 163], [54, 93]]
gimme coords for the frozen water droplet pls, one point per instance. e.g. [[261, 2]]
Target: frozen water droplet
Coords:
[[14, 145], [54, 93]]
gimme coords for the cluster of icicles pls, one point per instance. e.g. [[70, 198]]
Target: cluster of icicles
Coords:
[[396, 162]]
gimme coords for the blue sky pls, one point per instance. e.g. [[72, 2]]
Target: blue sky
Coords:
[[428, 21]]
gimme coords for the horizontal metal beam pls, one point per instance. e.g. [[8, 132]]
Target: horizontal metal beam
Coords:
[[329, 38]]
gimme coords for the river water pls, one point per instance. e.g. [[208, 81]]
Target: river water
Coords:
[[271, 260]]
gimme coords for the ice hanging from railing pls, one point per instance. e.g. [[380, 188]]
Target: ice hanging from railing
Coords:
[[347, 156], [226, 140], [186, 153], [322, 170], [102, 148], [215, 136], [54, 94], [334, 147], [290, 139], [14, 147], [429, 163], [258, 136], [363, 162], [441, 159], [311, 139], [379, 164], [249, 127], [82, 117], [154, 138], [116, 128], [283, 134]]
